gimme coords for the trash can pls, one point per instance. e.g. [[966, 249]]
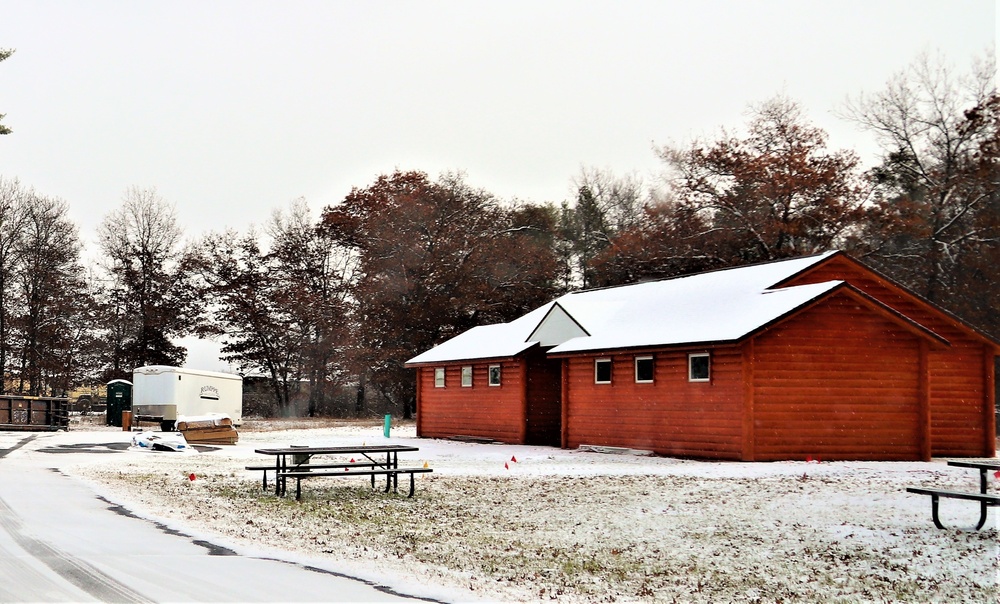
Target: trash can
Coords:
[[298, 459]]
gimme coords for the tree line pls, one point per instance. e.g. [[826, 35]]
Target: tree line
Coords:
[[322, 311]]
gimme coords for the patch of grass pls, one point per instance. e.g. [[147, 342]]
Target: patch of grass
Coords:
[[583, 539]]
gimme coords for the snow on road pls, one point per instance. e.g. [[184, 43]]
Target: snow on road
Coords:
[[60, 542], [502, 522]]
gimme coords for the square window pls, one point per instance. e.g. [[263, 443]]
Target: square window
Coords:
[[699, 367], [644, 370], [466, 377], [602, 371], [439, 377], [494, 375]]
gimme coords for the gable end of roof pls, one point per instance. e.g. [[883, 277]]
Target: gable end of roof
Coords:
[[988, 339], [555, 311], [874, 304]]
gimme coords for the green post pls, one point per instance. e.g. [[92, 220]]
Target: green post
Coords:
[[388, 422]]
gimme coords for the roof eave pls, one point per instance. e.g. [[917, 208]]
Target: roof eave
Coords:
[[874, 304], [645, 348], [456, 361]]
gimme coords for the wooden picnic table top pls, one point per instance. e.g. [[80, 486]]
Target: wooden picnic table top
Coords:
[[336, 450]]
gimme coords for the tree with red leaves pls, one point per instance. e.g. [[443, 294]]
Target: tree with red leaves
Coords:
[[435, 259], [775, 193]]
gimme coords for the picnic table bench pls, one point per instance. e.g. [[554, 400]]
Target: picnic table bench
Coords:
[[296, 463], [985, 499]]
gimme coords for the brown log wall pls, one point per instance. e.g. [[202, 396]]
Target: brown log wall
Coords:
[[961, 425], [483, 411], [837, 381], [670, 416]]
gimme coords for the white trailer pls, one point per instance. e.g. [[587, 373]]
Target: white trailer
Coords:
[[166, 392]]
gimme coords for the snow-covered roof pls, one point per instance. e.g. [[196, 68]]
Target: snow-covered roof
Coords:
[[664, 317], [717, 306], [497, 341]]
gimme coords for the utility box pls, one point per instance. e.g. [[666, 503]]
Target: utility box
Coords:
[[119, 399], [167, 392]]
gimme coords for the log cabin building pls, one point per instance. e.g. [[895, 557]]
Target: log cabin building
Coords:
[[816, 357]]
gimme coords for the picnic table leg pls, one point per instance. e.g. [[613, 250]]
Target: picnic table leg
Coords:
[[983, 510], [982, 515], [298, 489], [388, 465], [264, 483], [395, 477], [391, 462], [411, 485], [934, 511], [284, 480], [982, 489]]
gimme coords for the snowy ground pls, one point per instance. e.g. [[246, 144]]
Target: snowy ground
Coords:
[[571, 526]]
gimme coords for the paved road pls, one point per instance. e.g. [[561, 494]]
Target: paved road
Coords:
[[60, 542]]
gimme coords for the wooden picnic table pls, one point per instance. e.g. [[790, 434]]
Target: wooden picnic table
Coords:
[[296, 462]]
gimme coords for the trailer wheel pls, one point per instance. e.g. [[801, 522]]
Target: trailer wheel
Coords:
[[167, 425]]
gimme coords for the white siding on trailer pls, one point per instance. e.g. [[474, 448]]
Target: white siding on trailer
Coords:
[[189, 391]]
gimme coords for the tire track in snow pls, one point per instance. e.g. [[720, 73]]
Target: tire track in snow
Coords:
[[21, 582], [78, 572], [20, 443]]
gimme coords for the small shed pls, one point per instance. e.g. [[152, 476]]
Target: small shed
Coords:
[[810, 357]]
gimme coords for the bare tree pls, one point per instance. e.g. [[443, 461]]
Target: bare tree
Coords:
[[249, 312], [52, 295], [936, 185], [12, 221], [620, 199], [606, 205], [314, 274], [141, 242]]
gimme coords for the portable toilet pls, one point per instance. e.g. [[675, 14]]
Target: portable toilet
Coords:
[[119, 399]]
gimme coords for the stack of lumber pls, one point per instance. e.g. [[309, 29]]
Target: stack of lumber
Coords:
[[208, 430]]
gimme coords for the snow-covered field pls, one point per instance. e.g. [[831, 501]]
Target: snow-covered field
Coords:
[[572, 526]]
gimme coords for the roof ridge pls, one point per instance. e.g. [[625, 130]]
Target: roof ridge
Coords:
[[706, 272]]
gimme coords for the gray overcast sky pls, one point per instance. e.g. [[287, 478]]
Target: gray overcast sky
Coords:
[[233, 108]]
